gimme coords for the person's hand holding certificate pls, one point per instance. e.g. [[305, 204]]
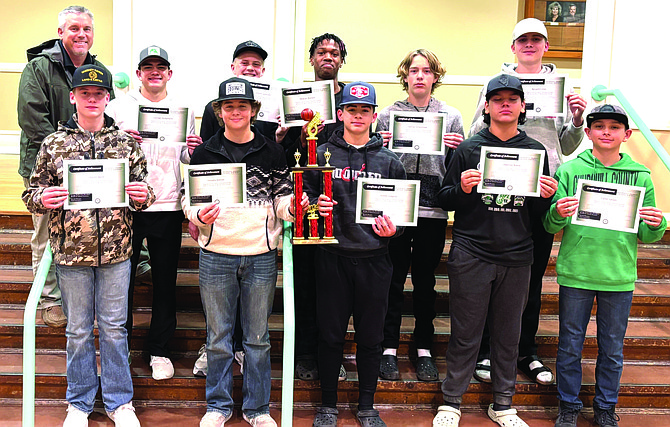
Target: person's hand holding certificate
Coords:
[[417, 132], [511, 171], [544, 94], [268, 94], [396, 198], [224, 184], [95, 183], [609, 206], [162, 124], [318, 97]]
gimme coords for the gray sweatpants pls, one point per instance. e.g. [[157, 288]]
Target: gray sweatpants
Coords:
[[478, 288]]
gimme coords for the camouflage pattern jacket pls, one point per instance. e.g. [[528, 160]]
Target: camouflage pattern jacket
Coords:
[[86, 237]]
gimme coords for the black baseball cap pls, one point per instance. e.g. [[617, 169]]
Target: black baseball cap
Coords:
[[92, 75], [503, 81], [153, 52], [607, 111], [252, 46], [235, 88]]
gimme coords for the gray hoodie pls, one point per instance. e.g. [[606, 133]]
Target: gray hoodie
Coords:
[[552, 132], [429, 169]]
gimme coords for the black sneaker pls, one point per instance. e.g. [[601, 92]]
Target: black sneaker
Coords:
[[567, 415], [605, 417]]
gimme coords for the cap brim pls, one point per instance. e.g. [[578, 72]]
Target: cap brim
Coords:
[[152, 57], [262, 53], [621, 118]]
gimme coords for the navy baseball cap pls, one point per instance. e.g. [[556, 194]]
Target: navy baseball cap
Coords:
[[607, 111], [92, 75], [153, 52], [235, 88], [359, 93], [503, 81], [252, 46]]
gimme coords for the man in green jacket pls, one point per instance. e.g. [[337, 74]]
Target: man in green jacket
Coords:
[[44, 100]]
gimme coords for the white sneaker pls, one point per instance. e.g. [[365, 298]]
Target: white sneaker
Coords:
[[214, 419], [161, 368], [483, 371], [239, 358], [447, 416], [506, 418], [200, 365], [124, 416], [264, 420], [75, 418]]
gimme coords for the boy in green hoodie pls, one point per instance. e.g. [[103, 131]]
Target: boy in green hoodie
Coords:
[[596, 262]]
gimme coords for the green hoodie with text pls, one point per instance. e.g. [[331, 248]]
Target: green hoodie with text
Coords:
[[594, 258]]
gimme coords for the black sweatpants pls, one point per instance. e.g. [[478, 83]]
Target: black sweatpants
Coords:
[[304, 284], [477, 290], [163, 233], [345, 286], [530, 320]]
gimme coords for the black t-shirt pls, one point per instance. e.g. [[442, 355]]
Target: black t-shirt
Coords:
[[236, 151]]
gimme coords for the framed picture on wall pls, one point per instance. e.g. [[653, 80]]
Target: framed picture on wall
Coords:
[[565, 25]]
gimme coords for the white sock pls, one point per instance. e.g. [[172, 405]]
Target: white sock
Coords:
[[423, 352], [390, 351]]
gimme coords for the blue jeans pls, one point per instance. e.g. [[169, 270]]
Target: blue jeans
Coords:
[[222, 279], [613, 309], [96, 293]]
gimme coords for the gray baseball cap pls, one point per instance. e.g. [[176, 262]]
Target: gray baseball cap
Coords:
[[153, 52], [607, 111]]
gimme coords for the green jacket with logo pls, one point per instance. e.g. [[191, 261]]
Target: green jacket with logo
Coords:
[[44, 99], [595, 258]]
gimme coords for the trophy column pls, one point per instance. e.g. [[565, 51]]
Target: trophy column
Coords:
[[312, 236]]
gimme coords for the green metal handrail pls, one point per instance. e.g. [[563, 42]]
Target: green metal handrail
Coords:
[[600, 93], [29, 315], [289, 328]]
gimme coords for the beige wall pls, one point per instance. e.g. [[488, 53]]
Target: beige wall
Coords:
[[27, 24], [471, 39]]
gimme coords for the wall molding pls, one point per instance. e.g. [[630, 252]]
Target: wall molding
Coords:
[[12, 67], [9, 141]]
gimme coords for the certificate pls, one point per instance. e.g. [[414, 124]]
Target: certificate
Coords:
[[95, 183], [416, 132], [397, 198], [318, 96], [511, 171], [225, 184], [609, 206], [544, 94], [268, 94], [163, 124]]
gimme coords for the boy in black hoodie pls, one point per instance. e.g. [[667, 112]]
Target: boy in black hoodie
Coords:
[[490, 257], [353, 276]]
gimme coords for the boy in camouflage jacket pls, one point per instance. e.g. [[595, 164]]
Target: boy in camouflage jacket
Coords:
[[91, 249]]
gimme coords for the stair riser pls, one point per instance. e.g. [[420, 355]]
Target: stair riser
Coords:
[[193, 390]]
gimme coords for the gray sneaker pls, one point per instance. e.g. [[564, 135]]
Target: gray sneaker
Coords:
[[605, 417], [200, 365], [567, 415]]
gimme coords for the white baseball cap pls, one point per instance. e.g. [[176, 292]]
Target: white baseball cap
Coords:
[[529, 25]]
